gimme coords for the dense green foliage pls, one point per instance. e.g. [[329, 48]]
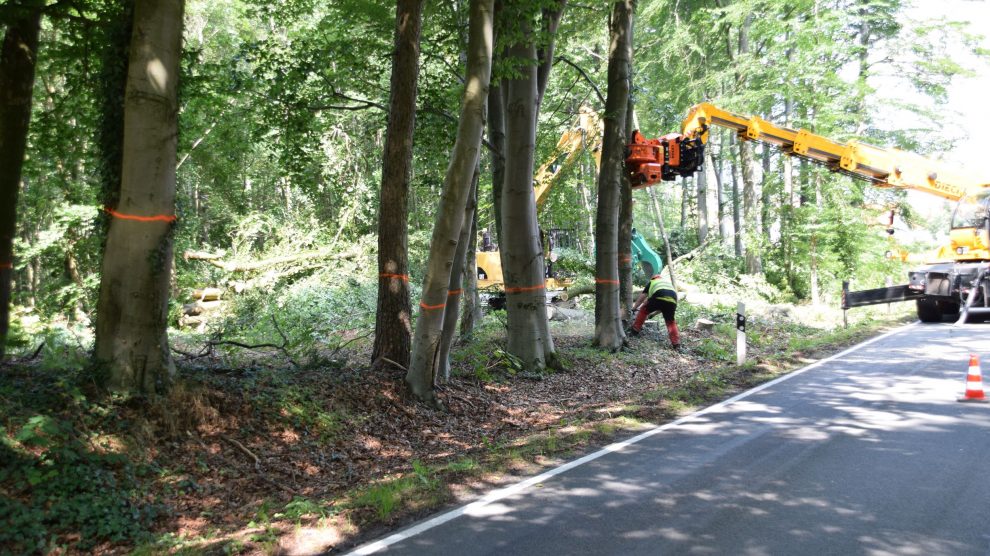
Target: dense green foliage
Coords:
[[283, 118]]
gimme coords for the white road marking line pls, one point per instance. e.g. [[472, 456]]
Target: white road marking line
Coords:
[[505, 492]]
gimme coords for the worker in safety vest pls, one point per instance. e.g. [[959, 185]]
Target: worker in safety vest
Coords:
[[658, 296]]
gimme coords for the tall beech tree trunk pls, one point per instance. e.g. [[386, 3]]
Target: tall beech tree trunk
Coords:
[[702, 184], [587, 176], [393, 320], [751, 225], [18, 59], [455, 287], [131, 327], [608, 319], [724, 221], [766, 197], [626, 218], [450, 214], [522, 252], [813, 241], [471, 305], [789, 200], [549, 22], [737, 224], [496, 136], [624, 244]]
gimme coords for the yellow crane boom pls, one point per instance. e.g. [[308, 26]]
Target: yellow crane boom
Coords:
[[956, 281], [884, 167]]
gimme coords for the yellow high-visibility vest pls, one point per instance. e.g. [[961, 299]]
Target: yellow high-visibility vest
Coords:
[[661, 283]]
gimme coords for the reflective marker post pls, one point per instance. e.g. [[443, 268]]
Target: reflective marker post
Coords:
[[740, 334]]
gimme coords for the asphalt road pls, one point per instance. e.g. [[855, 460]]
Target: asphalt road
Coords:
[[865, 453]]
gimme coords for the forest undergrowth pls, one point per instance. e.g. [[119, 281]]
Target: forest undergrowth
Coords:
[[287, 448]]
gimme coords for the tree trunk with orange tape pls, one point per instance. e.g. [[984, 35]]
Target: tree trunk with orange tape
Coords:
[[522, 253], [450, 214], [131, 326], [393, 317], [608, 319], [456, 290], [626, 223]]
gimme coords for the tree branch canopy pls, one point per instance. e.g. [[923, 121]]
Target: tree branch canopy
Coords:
[[598, 92]]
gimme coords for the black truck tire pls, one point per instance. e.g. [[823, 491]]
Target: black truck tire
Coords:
[[928, 310], [949, 309]]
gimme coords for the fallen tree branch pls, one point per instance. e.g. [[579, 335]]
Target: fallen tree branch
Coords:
[[351, 341], [189, 355], [199, 141], [580, 290], [389, 361], [201, 256], [243, 448], [15, 360], [234, 266], [245, 346], [213, 343], [36, 353], [690, 254], [257, 467], [285, 341]]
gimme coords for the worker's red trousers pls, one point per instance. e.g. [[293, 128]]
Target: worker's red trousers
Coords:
[[653, 306]]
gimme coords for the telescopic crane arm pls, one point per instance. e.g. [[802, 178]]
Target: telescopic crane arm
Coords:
[[957, 279], [682, 154]]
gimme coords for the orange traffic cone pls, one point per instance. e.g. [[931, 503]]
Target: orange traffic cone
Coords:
[[974, 382]]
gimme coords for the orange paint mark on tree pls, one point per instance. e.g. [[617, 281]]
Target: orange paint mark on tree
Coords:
[[136, 218]]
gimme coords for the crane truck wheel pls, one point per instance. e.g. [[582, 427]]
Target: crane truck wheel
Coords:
[[949, 309], [928, 310]]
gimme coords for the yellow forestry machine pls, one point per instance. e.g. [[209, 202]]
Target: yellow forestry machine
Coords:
[[955, 279]]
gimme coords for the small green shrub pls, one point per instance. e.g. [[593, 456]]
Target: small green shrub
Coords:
[[426, 476], [712, 348], [301, 507], [309, 319], [299, 406], [385, 497], [462, 465]]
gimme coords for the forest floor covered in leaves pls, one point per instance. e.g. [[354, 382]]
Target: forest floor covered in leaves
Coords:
[[249, 454]]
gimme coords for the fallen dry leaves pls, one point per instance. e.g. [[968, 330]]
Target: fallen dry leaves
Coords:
[[246, 457]]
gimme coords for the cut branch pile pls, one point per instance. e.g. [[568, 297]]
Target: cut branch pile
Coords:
[[204, 302]]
